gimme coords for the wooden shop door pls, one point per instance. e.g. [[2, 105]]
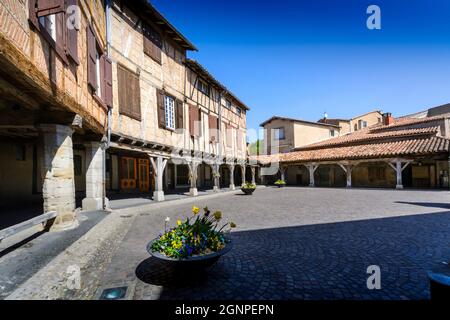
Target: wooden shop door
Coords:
[[144, 181], [128, 178]]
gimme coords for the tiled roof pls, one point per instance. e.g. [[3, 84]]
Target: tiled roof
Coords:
[[406, 147], [378, 141], [368, 135]]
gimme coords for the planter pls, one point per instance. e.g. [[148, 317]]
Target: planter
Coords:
[[195, 262], [248, 191]]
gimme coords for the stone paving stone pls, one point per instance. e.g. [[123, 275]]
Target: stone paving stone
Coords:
[[302, 243]]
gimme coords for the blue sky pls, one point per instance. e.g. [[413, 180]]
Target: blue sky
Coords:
[[302, 58]]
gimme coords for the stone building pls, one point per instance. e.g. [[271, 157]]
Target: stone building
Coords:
[[98, 98], [283, 134], [170, 110], [396, 153], [55, 93], [356, 123]]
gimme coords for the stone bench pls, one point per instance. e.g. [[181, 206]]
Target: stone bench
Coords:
[[5, 233]]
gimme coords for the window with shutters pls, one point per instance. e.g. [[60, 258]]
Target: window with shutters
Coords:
[[129, 93], [152, 43], [195, 126], [169, 106], [49, 18], [213, 129]]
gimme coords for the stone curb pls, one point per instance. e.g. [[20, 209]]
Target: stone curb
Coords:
[[91, 254]]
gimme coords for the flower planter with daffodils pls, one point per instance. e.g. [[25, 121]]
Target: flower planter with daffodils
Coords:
[[280, 183], [248, 188], [198, 240]]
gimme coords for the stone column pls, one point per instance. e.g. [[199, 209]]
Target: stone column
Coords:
[[158, 167], [193, 167], [216, 176], [312, 168], [94, 177], [232, 186], [58, 188], [253, 169]]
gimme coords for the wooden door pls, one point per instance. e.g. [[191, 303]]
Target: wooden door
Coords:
[[144, 181], [128, 178]]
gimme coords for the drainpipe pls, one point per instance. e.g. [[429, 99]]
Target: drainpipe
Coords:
[[108, 133]]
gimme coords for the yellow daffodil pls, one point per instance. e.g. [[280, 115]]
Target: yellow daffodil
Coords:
[[218, 215], [179, 222], [195, 210]]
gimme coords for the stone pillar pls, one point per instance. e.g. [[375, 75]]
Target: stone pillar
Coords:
[[398, 170], [312, 168], [58, 188], [253, 169], [216, 176], [158, 167], [232, 186], [94, 177], [193, 167]]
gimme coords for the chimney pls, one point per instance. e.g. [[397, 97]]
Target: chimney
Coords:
[[388, 119]]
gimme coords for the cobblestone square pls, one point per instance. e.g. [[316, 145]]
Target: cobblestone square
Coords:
[[300, 243]]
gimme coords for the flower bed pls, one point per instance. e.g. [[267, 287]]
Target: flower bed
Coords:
[[198, 235]]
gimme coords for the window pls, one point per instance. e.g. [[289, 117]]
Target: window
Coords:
[[152, 43], [49, 24], [332, 133], [355, 128], [229, 135], [98, 92], [99, 69], [129, 93], [239, 111], [170, 111], [202, 86], [54, 21], [279, 134], [228, 104], [169, 106]]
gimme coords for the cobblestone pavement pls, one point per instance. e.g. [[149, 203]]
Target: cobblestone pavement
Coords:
[[300, 243]]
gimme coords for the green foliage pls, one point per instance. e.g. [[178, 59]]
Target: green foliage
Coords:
[[197, 235], [255, 148], [248, 185]]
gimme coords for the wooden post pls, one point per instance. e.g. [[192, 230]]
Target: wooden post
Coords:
[[193, 166], [158, 168], [253, 169], [312, 168], [231, 167]]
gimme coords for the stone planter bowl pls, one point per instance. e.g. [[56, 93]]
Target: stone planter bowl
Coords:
[[196, 262], [248, 191]]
